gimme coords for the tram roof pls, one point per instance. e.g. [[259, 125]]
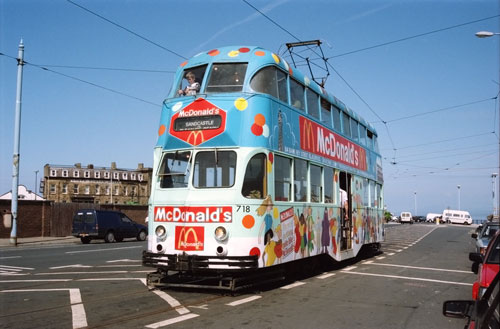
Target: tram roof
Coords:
[[257, 58]]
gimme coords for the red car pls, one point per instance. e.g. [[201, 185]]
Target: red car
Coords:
[[486, 266]]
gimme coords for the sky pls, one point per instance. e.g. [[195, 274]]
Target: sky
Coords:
[[93, 86]]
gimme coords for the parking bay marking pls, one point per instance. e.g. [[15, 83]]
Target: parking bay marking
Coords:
[[77, 310], [99, 250], [416, 267], [408, 278]]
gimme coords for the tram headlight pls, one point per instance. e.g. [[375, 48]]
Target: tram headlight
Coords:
[[220, 234], [161, 232]]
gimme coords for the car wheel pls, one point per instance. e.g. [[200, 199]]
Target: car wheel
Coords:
[[141, 236], [110, 237], [85, 239]]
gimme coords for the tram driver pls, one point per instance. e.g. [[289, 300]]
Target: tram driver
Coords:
[[192, 87]]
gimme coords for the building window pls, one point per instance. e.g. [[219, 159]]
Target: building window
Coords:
[[116, 175], [97, 174], [65, 188], [107, 190], [75, 189], [76, 173], [116, 190], [97, 190], [53, 189], [134, 190], [125, 190], [53, 173], [87, 189], [140, 177], [106, 175], [133, 176], [124, 175], [86, 174], [65, 173]]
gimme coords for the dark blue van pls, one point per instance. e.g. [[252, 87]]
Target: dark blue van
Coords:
[[112, 226]]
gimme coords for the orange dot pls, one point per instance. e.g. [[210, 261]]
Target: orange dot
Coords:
[[184, 64], [290, 71], [162, 129], [214, 52], [260, 119], [248, 221], [259, 53]]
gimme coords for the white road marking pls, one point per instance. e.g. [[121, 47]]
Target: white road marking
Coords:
[[120, 265], [326, 275], [123, 260], [244, 300], [174, 303], [293, 285], [69, 266], [422, 268], [49, 280], [10, 257], [349, 268], [391, 254], [95, 272], [408, 278], [203, 307], [100, 250], [172, 321], [77, 309], [15, 268]]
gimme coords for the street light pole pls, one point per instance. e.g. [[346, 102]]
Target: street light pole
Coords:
[[458, 186], [494, 193], [17, 137], [487, 34], [36, 178], [415, 203]]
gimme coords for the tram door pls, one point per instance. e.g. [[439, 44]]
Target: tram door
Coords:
[[345, 210]]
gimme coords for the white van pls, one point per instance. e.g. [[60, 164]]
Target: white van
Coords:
[[406, 217], [456, 217], [431, 216]]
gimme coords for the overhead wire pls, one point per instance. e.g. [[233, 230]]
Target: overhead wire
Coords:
[[106, 68]]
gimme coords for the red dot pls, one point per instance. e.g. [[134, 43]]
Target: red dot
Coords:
[[214, 52], [184, 64], [255, 252], [271, 157], [257, 130], [244, 50]]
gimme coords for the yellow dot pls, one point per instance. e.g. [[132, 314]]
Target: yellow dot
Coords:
[[233, 53], [269, 166], [276, 212], [241, 104], [276, 58]]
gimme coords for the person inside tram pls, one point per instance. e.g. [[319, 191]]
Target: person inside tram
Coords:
[[192, 87]]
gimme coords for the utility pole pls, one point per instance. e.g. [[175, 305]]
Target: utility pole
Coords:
[[17, 137]]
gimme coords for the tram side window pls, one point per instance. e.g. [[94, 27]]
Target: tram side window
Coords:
[[255, 181], [174, 170], [379, 203], [373, 196], [226, 77], [328, 182], [354, 130], [316, 183], [369, 139], [312, 103], [214, 169], [300, 180], [198, 72], [336, 118], [362, 134], [271, 81], [346, 126], [375, 144], [282, 178], [366, 193], [326, 117], [297, 95]]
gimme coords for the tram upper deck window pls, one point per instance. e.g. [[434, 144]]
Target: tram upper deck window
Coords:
[[346, 126], [312, 103], [362, 134], [354, 130], [214, 169], [255, 181], [198, 72], [271, 81], [226, 77], [326, 117], [369, 139], [336, 118], [174, 170], [297, 95]]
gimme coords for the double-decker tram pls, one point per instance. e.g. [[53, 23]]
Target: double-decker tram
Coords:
[[256, 167]]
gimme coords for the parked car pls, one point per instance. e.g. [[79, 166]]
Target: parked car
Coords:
[[486, 266], [418, 219], [112, 226], [484, 236], [483, 313], [406, 217]]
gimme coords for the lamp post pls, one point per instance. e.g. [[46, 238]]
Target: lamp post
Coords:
[[36, 178], [487, 34], [494, 192], [415, 202], [458, 187]]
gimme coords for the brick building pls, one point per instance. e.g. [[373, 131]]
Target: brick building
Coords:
[[99, 185]]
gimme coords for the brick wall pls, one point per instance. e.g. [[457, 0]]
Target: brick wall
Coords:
[[46, 218]]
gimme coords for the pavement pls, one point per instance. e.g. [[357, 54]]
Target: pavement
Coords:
[[39, 241]]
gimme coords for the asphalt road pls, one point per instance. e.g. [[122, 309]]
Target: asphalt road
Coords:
[[103, 286]]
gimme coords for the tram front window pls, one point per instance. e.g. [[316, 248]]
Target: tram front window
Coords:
[[214, 169], [174, 170], [226, 77]]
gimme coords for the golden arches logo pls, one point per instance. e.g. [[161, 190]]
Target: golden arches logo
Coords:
[[308, 135], [194, 134], [183, 240]]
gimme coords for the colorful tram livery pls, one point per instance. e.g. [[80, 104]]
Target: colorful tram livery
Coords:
[[258, 167]]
